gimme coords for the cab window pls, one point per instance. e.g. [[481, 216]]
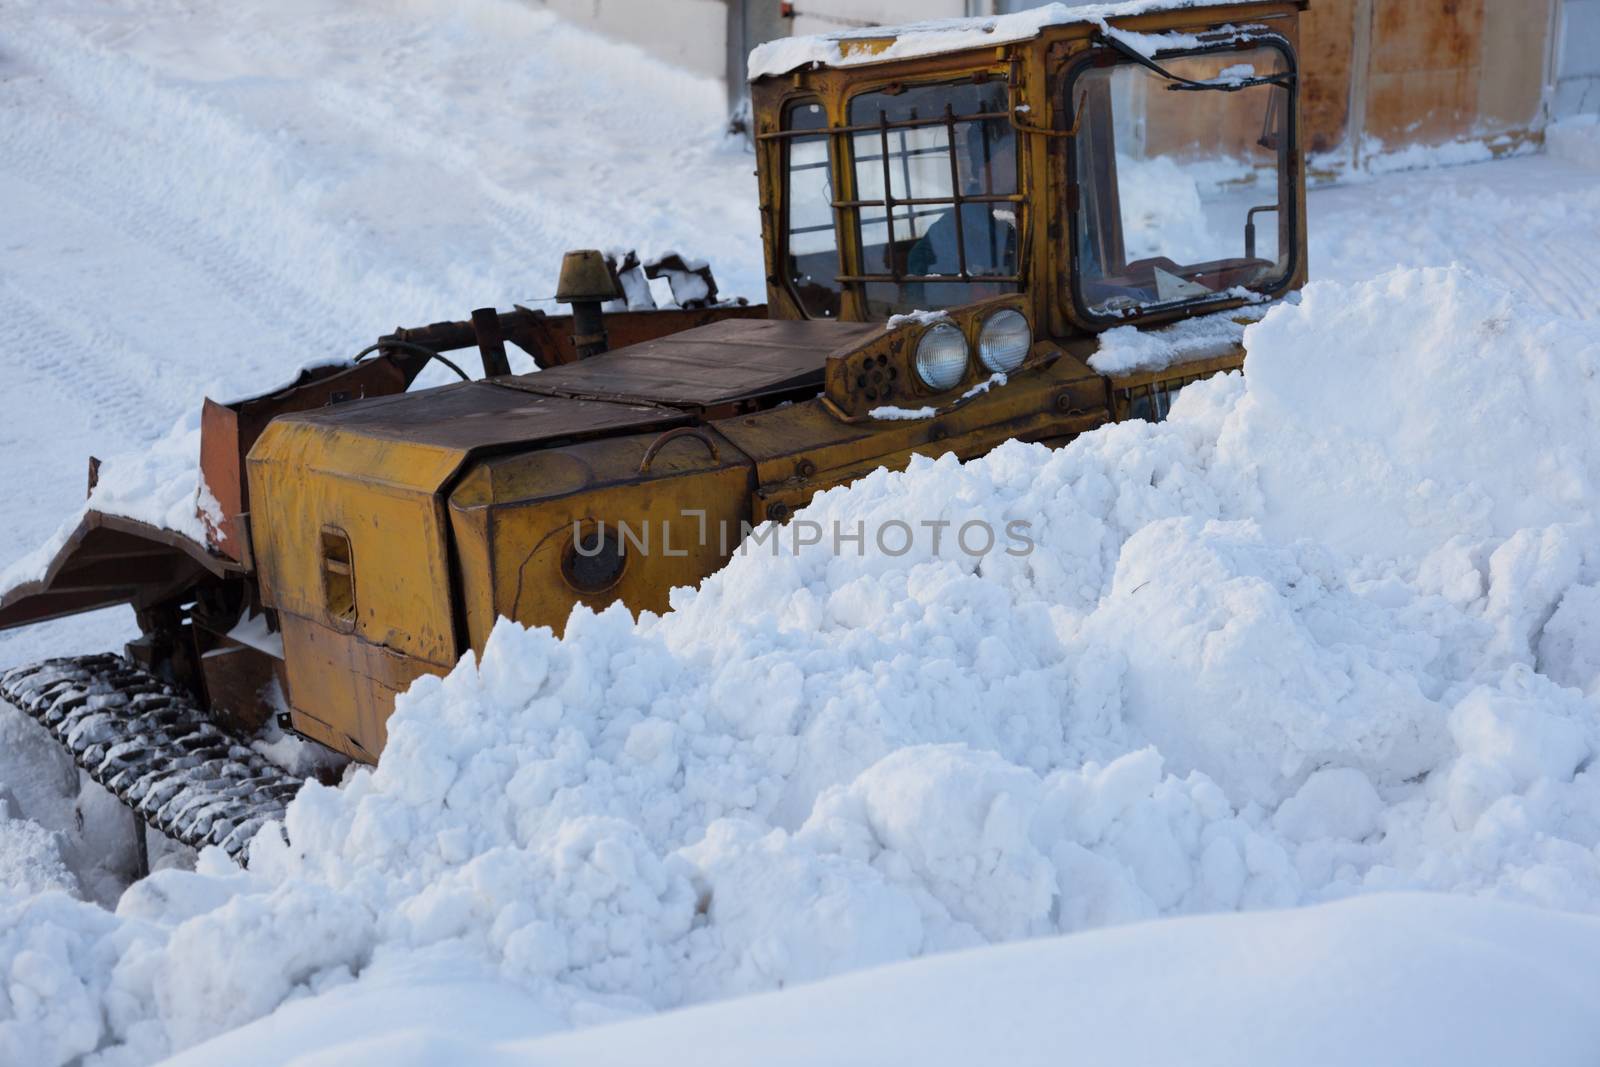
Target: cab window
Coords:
[[1182, 173]]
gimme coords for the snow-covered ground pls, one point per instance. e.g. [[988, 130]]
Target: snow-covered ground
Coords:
[[1334, 629]]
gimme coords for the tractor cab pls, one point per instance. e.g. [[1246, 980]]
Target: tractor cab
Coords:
[[1133, 170]]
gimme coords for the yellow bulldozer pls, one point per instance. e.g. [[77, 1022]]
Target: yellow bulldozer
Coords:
[[954, 214]]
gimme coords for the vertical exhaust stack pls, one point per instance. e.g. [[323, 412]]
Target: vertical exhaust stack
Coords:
[[586, 283]]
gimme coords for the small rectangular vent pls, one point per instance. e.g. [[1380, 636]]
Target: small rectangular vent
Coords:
[[338, 577]]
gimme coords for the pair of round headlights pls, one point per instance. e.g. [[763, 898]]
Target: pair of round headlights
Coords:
[[943, 353]]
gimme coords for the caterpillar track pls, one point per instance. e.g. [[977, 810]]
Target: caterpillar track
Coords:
[[153, 749]]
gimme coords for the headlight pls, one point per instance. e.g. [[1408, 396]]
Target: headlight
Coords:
[[942, 357], [1004, 341]]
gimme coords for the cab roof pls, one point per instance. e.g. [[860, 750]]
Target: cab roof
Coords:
[[877, 44]]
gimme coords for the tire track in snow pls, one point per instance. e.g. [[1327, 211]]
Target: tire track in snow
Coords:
[[99, 389], [181, 176]]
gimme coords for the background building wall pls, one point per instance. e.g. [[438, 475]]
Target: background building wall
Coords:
[[1386, 75], [692, 34], [1578, 58], [1380, 76]]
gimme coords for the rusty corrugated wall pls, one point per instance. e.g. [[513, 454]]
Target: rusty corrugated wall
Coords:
[[1382, 75]]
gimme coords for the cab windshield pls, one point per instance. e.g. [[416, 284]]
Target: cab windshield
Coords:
[[1182, 169]]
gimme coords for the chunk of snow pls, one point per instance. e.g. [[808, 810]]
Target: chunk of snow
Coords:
[[159, 485], [1575, 139], [1128, 349], [916, 318], [892, 413]]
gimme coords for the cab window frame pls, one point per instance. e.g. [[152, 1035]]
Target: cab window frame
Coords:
[[787, 135], [1289, 192]]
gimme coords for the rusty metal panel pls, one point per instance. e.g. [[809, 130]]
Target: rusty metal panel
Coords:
[[1401, 73], [107, 560], [714, 364], [473, 417], [1424, 70], [1327, 57], [1511, 86]]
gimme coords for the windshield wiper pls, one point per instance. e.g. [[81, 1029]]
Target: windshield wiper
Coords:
[[1182, 84]]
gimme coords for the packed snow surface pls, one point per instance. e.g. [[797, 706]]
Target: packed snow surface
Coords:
[[1387, 980]]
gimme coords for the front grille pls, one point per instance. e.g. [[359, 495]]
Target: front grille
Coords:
[[1152, 401]]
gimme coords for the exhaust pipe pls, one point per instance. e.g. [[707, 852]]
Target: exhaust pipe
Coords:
[[587, 283]]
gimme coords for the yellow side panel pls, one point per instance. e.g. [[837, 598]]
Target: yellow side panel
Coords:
[[309, 480], [514, 520], [342, 689]]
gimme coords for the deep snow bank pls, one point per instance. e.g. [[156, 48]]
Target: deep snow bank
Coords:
[[1385, 979], [1390, 979], [1329, 629]]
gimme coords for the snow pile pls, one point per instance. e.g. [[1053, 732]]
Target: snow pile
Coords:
[[159, 486], [1463, 423], [31, 857], [1397, 979], [1324, 632], [54, 831], [1126, 349]]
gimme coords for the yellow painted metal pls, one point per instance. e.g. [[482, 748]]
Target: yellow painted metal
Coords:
[[308, 478], [342, 688], [514, 519], [384, 496], [803, 448]]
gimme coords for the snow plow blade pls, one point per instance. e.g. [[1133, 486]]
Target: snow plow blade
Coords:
[[109, 560], [153, 749]]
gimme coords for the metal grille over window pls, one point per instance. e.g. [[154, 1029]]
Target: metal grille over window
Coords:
[[811, 246], [936, 201]]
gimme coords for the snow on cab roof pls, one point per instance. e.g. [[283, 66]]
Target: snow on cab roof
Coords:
[[850, 47]]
